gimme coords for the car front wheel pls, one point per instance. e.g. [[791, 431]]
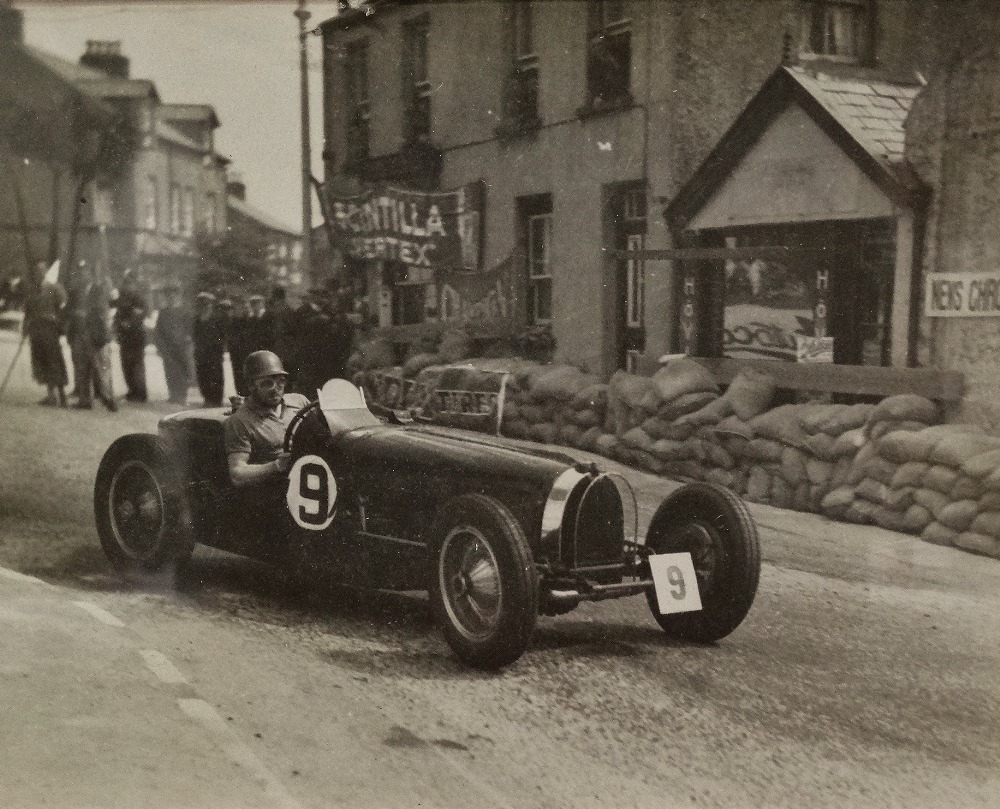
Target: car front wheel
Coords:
[[484, 588], [139, 509], [714, 526]]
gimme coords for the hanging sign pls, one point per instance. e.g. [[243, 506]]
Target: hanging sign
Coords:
[[436, 230], [953, 294]]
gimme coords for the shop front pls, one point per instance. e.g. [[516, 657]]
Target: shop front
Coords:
[[802, 229]]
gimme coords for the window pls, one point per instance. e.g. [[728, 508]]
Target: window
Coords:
[[358, 106], [834, 28], [150, 203], [187, 212], [521, 92], [635, 284], [539, 241], [609, 55], [175, 208], [416, 86]]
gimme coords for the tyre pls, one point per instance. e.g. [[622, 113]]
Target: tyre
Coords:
[[142, 518], [484, 587], [714, 526]]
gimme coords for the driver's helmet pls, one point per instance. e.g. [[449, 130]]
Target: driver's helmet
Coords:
[[262, 363]]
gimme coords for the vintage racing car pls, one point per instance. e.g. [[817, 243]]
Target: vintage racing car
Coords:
[[498, 532]]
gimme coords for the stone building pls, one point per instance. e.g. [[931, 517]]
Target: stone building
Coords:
[[567, 130], [172, 186]]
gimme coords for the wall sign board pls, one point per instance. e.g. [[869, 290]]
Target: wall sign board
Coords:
[[949, 294]]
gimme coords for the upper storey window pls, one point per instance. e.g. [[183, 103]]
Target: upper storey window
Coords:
[[416, 81], [609, 54], [358, 106], [521, 91], [837, 29]]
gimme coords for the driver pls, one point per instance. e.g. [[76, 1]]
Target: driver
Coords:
[[255, 432]]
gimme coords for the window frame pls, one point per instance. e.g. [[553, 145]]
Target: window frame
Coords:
[[416, 79], [818, 30], [151, 202], [175, 208], [537, 281], [605, 33], [358, 97]]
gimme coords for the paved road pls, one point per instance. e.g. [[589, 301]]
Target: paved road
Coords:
[[866, 674]]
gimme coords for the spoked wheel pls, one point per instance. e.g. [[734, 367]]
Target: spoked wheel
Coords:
[[714, 526], [139, 510], [484, 589]]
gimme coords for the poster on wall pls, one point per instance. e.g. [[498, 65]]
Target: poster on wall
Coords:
[[768, 305], [436, 231]]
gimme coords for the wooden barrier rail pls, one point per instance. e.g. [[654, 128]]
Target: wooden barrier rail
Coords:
[[857, 380]]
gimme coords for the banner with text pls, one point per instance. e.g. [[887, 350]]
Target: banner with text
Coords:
[[439, 231], [953, 294], [462, 397]]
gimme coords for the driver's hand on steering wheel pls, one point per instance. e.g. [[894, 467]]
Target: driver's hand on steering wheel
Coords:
[[282, 462]]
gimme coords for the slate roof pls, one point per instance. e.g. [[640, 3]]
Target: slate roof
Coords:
[[95, 82], [872, 110], [256, 214]]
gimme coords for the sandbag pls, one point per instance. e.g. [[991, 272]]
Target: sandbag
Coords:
[[931, 499], [588, 439], [585, 418], [592, 397], [735, 445], [684, 404], [881, 470], [802, 499], [938, 534], [845, 419], [762, 449], [683, 375], [916, 519], [981, 465], [544, 433], [957, 450], [758, 485], [813, 418], [906, 407], [415, 364], [606, 445], [978, 543], [650, 403], [967, 488], [455, 346], [750, 393], [888, 518], [910, 473], [883, 428], [649, 462], [560, 382], [837, 499], [989, 501], [716, 456], [821, 445], [899, 499], [818, 471], [716, 411], [986, 522], [848, 443], [793, 465], [569, 435], [872, 490], [667, 450], [733, 425], [859, 512], [781, 493], [958, 516], [534, 414], [841, 470], [720, 477], [940, 478], [780, 424], [515, 428], [858, 467], [901, 447], [637, 438]]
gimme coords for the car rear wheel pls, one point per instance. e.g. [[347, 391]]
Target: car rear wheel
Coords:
[[140, 511], [484, 589], [714, 526]]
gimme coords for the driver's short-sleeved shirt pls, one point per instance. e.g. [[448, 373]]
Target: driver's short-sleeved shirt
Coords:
[[259, 431]]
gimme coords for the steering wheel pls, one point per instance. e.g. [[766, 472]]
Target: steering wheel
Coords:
[[296, 422]]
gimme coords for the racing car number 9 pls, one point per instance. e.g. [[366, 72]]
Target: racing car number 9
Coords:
[[312, 493]]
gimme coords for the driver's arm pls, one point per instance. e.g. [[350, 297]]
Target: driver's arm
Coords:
[[243, 473]]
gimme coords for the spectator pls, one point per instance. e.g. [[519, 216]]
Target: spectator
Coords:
[[172, 335], [277, 316], [94, 376], [209, 347], [131, 310], [76, 327], [46, 300], [237, 343]]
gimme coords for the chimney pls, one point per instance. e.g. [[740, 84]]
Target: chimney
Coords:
[[11, 23], [106, 56], [235, 187]]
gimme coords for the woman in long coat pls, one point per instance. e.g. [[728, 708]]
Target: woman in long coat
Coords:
[[43, 313]]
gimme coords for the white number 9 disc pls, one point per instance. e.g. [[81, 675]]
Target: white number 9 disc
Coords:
[[312, 493]]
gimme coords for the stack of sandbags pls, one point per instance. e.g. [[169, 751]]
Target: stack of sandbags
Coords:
[[860, 495], [538, 404], [941, 483], [583, 417], [371, 355]]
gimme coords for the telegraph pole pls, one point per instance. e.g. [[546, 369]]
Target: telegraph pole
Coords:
[[306, 267]]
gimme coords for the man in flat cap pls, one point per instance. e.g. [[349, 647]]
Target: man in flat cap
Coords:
[[209, 346], [172, 335]]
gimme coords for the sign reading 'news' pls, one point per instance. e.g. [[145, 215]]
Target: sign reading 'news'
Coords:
[[951, 294]]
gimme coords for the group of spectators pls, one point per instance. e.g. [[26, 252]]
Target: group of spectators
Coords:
[[314, 339]]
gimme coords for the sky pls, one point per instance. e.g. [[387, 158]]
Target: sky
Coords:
[[242, 58]]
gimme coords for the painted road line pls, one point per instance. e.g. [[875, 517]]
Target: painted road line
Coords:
[[238, 751], [100, 614], [13, 575], [160, 665]]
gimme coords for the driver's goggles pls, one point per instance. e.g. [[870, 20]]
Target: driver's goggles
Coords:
[[271, 382]]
